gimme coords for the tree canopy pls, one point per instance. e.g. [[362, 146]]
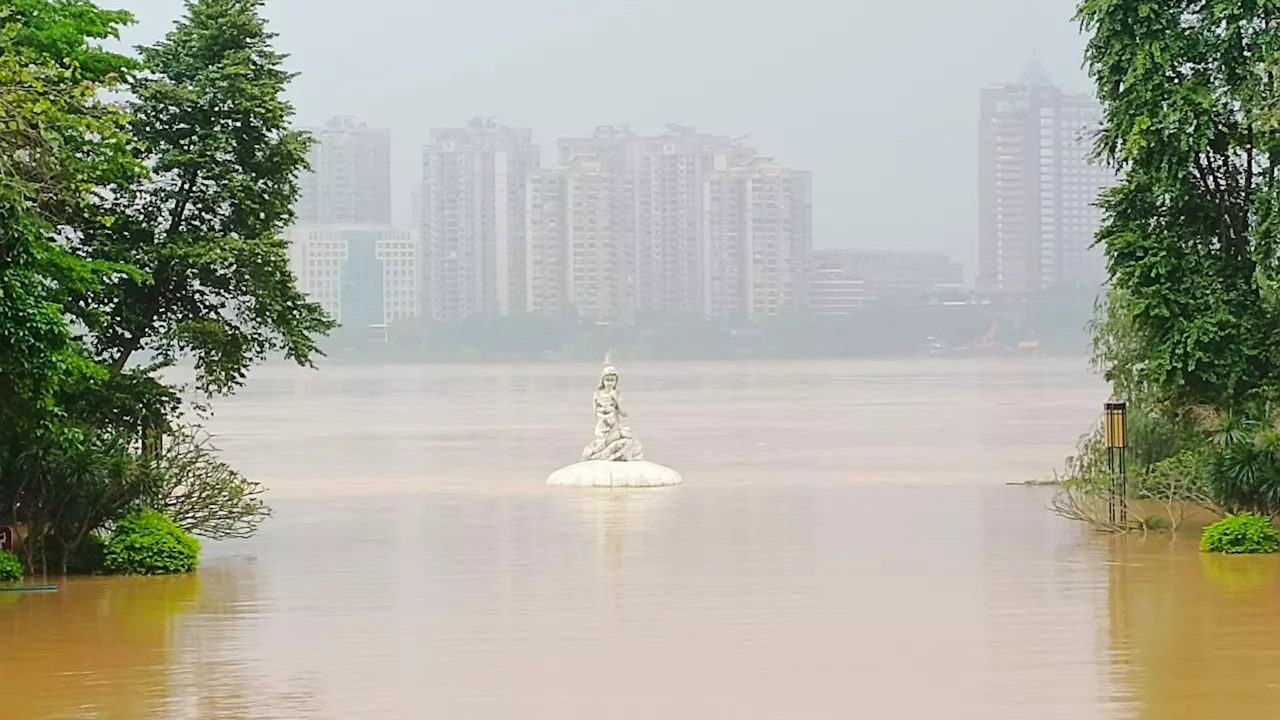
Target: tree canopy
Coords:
[[154, 224], [1189, 96], [1189, 332]]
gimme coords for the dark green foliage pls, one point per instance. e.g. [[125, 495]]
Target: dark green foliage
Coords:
[[1244, 458], [207, 226], [10, 567], [88, 556], [1155, 523], [155, 225], [66, 492], [1241, 534], [60, 473], [146, 542], [1191, 324], [1188, 89]]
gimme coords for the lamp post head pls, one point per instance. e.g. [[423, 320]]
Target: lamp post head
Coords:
[[1115, 425]]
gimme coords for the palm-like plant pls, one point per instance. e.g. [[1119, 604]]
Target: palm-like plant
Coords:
[[1244, 458]]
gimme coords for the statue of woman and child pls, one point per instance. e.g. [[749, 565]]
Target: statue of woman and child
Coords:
[[614, 458], [613, 439]]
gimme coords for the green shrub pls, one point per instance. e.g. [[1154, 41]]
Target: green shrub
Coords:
[[10, 567], [1240, 534], [147, 543]]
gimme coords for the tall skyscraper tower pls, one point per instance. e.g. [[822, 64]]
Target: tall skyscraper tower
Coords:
[[473, 219], [1037, 187], [350, 177]]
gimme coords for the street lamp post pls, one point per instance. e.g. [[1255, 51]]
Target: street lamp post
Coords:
[[1115, 426]]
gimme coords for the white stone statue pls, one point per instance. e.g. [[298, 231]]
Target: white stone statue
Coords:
[[613, 440], [614, 459]]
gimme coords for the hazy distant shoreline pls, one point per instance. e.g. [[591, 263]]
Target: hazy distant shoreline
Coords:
[[326, 363]]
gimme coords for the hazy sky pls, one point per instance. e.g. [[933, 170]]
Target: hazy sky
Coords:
[[878, 99]]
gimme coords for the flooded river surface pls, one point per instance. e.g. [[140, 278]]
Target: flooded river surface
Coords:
[[845, 545]]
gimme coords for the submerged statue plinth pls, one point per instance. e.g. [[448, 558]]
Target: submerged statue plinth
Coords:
[[615, 457]]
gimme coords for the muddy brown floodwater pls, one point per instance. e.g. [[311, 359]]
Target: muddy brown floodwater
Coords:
[[845, 546]]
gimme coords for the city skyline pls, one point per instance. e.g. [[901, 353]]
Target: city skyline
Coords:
[[842, 91], [343, 127], [683, 220], [623, 223]]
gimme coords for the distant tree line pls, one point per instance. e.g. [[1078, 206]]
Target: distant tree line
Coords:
[[1052, 322]]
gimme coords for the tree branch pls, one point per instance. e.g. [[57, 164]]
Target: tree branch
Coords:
[[158, 277]]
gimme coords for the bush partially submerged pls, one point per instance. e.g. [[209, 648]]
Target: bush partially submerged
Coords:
[[1241, 534], [148, 543], [10, 567]]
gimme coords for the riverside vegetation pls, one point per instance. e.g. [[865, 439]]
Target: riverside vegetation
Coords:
[[1189, 330], [150, 225]]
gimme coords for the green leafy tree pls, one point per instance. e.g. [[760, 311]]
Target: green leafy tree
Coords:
[[154, 225], [66, 33], [206, 227], [60, 146], [1188, 90]]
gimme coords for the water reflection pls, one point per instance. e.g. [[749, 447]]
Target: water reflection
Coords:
[[621, 519], [1193, 635], [62, 650], [751, 603]]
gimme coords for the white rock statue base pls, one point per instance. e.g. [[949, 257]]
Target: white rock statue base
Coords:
[[615, 474]]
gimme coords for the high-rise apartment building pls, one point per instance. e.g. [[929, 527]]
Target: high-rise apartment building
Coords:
[[579, 254], [758, 240], [473, 219], [660, 182], [362, 275], [1037, 187], [694, 223], [350, 177]]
